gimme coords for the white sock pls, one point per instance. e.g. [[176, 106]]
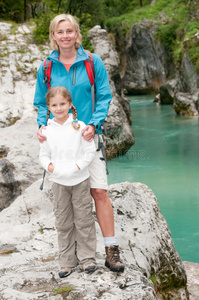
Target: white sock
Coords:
[[110, 240]]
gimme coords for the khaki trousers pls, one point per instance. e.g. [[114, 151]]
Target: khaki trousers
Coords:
[[75, 223]]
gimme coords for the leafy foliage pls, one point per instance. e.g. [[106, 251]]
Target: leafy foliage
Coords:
[[168, 35], [114, 8], [85, 25], [41, 31], [12, 10]]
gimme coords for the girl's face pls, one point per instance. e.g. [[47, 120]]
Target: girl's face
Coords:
[[59, 107], [65, 35]]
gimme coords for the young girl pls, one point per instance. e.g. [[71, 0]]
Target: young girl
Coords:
[[66, 155]]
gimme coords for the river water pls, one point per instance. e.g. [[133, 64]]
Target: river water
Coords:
[[165, 157]]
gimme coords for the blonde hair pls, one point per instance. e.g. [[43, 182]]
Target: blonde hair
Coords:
[[60, 90], [53, 26]]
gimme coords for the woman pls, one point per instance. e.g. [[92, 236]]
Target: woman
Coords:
[[68, 70]]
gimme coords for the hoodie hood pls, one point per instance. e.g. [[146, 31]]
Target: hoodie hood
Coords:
[[52, 122]]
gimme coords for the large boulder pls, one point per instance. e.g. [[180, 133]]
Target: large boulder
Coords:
[[186, 100], [167, 92], [186, 104], [103, 46], [145, 67], [182, 92], [29, 249], [187, 76], [19, 163]]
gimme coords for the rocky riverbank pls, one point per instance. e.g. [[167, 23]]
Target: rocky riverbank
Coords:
[[29, 252], [192, 270]]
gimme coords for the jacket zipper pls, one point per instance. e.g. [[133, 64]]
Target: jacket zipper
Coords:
[[74, 76]]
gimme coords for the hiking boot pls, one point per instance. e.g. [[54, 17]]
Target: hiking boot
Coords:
[[65, 272], [89, 267], [113, 261]]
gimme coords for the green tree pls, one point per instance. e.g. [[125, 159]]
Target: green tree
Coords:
[[19, 11], [53, 5], [80, 8], [115, 8], [12, 10], [35, 7]]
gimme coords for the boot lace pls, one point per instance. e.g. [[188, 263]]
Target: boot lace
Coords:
[[114, 254]]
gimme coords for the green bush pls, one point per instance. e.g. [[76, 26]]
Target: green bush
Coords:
[[167, 34], [41, 31], [86, 23], [191, 46]]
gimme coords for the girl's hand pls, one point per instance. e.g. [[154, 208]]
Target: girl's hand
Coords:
[[88, 132], [51, 168], [40, 136]]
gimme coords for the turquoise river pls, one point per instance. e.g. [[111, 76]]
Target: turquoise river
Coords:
[[165, 157]]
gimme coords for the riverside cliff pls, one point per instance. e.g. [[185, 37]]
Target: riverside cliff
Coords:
[[147, 67]]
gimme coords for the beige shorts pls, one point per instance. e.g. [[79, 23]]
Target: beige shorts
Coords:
[[97, 170]]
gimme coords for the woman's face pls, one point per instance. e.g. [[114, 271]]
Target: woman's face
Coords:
[[65, 35]]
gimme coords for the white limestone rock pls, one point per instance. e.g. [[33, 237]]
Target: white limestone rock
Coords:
[[5, 28], [186, 104], [28, 236]]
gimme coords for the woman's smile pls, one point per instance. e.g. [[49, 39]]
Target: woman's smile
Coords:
[[65, 34]]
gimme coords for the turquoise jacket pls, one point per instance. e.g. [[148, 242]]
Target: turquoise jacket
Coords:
[[78, 84]]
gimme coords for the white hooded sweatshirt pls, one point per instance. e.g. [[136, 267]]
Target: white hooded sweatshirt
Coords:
[[65, 148]]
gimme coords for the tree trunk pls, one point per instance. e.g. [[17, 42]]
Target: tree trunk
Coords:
[[69, 7], [141, 3], [81, 6], [24, 10], [59, 5]]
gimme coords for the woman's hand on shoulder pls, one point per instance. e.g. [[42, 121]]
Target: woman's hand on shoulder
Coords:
[[88, 132], [42, 138]]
